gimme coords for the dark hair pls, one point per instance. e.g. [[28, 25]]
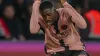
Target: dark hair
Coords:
[[46, 7], [5, 6]]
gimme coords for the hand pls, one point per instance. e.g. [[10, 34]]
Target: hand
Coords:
[[63, 1]]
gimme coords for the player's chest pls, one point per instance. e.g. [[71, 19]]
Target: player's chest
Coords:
[[60, 26]]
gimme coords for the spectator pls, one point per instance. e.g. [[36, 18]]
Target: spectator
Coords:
[[12, 24], [93, 17], [4, 32], [20, 8], [26, 21]]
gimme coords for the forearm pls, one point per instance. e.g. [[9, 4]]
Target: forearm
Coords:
[[34, 26]]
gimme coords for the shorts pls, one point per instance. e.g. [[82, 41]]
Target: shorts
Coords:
[[71, 53], [68, 52]]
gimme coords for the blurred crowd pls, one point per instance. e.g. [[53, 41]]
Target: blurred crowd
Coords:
[[15, 18]]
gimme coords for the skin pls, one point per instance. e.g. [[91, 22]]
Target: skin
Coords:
[[49, 16], [62, 1], [75, 18]]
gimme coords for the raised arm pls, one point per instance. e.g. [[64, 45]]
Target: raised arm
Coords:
[[34, 21], [76, 17]]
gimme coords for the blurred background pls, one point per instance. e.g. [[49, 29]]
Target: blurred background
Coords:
[[16, 39]]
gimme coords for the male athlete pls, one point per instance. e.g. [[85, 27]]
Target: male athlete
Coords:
[[61, 37]]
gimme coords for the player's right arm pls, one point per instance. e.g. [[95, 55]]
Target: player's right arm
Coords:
[[34, 21]]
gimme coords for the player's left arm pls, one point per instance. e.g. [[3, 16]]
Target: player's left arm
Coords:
[[76, 17]]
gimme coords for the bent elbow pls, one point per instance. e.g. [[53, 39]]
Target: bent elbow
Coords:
[[84, 26], [33, 31]]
